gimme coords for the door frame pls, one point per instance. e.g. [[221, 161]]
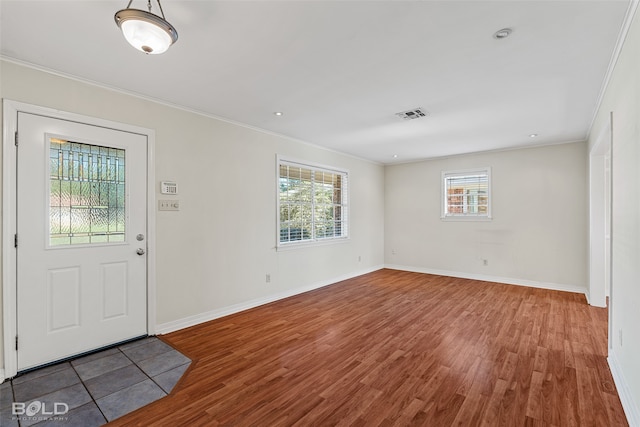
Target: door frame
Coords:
[[9, 218], [599, 223]]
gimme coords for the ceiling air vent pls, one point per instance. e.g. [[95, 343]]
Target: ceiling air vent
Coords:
[[414, 113]]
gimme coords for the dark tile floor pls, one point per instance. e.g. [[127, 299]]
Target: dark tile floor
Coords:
[[96, 388]]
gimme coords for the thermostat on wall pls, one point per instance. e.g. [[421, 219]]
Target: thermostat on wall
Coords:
[[167, 187]]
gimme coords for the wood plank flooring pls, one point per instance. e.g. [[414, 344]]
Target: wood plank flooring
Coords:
[[394, 348]]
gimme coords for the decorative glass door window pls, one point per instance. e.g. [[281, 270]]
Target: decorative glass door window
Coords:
[[86, 193]]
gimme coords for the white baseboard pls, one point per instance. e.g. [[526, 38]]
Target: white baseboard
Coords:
[[165, 328], [629, 406], [487, 278]]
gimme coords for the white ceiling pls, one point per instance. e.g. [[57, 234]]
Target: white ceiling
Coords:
[[340, 70]]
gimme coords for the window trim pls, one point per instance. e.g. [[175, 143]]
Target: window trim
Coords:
[[284, 160], [444, 216]]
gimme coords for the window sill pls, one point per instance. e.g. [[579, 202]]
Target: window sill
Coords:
[[462, 218], [310, 243]]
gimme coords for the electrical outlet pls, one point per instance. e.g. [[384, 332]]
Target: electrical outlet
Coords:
[[485, 262], [393, 251], [359, 258], [268, 278]]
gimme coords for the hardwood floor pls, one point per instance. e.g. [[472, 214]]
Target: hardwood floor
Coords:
[[397, 348]]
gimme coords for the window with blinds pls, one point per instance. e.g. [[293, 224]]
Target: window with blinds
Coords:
[[466, 194], [312, 203]]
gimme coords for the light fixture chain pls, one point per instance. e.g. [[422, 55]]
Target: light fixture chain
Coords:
[[129, 5], [160, 7], [149, 5]]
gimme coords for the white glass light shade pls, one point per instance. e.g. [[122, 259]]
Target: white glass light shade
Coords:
[[145, 31]]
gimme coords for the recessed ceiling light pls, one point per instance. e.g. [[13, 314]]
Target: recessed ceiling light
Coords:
[[502, 34], [278, 113], [395, 156], [533, 135]]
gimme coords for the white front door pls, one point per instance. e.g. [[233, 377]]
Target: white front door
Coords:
[[81, 238]]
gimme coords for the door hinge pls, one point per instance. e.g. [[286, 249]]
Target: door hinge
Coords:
[[16, 138], [15, 240], [16, 343]]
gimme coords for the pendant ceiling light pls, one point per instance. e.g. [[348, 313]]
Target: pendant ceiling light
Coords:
[[145, 31]]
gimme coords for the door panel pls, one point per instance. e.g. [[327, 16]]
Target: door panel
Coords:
[[81, 202], [115, 288], [63, 299]]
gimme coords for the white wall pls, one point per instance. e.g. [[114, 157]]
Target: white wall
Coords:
[[538, 235], [214, 253], [622, 98]]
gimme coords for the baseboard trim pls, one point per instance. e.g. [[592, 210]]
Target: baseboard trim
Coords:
[[487, 278], [626, 398], [165, 328]]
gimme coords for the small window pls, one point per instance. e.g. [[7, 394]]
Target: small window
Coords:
[[312, 203], [466, 194]]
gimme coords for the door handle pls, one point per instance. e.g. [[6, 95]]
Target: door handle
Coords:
[[140, 251]]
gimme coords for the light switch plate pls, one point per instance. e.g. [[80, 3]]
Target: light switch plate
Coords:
[[168, 205]]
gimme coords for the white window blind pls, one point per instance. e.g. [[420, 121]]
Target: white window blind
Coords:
[[467, 194], [312, 203]]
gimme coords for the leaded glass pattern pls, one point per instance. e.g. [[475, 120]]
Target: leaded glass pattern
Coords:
[[87, 193]]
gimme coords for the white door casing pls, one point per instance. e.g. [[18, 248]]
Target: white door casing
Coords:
[[600, 219], [72, 298]]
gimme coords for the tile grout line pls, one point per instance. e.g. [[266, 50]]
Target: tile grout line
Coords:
[[89, 393], [141, 370], [136, 365], [146, 376], [145, 373]]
